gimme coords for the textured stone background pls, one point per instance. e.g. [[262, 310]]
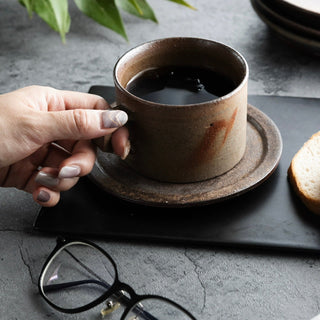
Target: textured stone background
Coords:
[[213, 283]]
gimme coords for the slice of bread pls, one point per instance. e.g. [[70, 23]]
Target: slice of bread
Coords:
[[304, 173]]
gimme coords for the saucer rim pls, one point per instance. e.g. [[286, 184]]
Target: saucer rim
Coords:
[[270, 135]]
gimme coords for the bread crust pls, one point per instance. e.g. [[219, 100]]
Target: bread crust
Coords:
[[312, 203]]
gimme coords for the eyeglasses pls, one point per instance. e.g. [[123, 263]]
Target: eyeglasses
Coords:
[[79, 275]]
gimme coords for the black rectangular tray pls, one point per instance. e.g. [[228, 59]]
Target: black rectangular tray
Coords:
[[270, 216]]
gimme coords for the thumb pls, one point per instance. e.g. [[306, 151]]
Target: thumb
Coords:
[[80, 124]]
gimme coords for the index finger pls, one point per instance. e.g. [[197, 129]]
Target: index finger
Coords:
[[68, 100]]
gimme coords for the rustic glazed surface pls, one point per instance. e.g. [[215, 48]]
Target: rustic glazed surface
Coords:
[[262, 155], [184, 143]]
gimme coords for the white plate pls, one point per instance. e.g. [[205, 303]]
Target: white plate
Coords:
[[308, 5]]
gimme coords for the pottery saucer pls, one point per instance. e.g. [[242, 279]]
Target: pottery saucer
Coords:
[[306, 12], [262, 155], [284, 21], [301, 36]]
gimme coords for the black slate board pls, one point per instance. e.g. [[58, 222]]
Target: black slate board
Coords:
[[270, 216]]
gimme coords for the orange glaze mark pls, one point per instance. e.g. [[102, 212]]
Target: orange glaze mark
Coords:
[[205, 152]]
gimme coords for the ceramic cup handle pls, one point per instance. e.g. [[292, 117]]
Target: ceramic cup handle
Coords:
[[103, 143]]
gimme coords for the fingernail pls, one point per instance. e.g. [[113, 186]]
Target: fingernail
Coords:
[[43, 196], [126, 150], [114, 118], [46, 179], [69, 172]]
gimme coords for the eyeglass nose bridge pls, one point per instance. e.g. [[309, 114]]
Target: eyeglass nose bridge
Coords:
[[118, 298], [110, 307]]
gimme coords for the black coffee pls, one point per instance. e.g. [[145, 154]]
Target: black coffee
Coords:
[[180, 85]]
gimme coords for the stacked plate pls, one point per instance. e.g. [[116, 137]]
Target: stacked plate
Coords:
[[296, 21]]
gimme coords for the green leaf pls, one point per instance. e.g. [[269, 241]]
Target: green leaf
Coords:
[[139, 8], [29, 5], [104, 12], [55, 14], [184, 3]]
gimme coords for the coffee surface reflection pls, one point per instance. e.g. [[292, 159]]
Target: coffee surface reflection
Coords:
[[180, 85]]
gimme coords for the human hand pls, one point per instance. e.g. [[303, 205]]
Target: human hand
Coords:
[[45, 139]]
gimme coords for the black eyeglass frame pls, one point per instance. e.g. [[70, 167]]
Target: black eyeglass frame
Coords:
[[115, 288]]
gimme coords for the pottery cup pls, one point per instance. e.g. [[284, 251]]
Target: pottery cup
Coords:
[[182, 143]]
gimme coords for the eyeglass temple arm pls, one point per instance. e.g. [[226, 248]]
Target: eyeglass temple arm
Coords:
[[60, 286], [121, 298]]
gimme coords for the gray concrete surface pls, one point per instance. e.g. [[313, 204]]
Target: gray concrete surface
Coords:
[[213, 283]]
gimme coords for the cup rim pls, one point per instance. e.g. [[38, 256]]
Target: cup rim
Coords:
[[152, 103]]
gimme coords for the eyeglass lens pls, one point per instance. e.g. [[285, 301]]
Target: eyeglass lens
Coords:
[[77, 275]]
